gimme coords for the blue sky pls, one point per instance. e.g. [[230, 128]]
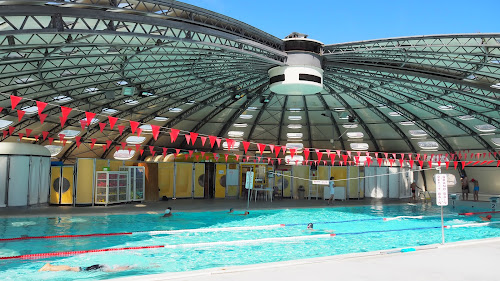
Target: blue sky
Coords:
[[334, 21]]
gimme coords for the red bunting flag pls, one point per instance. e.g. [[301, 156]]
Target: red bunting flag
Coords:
[[237, 157], [368, 161], [14, 100], [45, 134], [202, 154], [190, 153], [5, 134], [123, 144], [226, 156], [411, 163], [139, 131], [216, 156], [271, 147], [292, 152], [306, 153], [36, 137], [245, 146], [11, 130], [230, 143], [386, 155], [78, 140], [212, 140], [151, 149], [344, 157], [463, 164], [177, 151], [193, 137], [261, 147], [277, 151], [134, 125], [20, 114], [65, 112], [380, 160], [112, 121], [203, 140], [1, 108], [141, 151], [188, 138], [83, 123], [101, 126], [41, 106], [356, 159], [93, 141], [279, 161], [156, 131], [64, 142], [498, 163], [391, 161], [21, 135], [248, 157], [320, 154], [120, 129], [164, 153], [421, 163], [349, 153], [89, 116], [173, 135], [338, 152], [62, 120], [455, 164], [258, 157], [28, 132], [137, 147], [61, 137], [186, 157], [108, 143], [217, 140], [401, 162], [51, 140]]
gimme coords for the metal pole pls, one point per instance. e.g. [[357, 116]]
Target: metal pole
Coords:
[[248, 198], [442, 226]]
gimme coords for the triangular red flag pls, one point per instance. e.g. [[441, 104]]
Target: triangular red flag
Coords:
[[123, 144], [271, 147], [411, 163], [20, 114], [188, 138], [237, 157], [108, 143], [386, 155], [101, 126], [186, 156], [349, 153], [401, 162], [65, 112], [463, 164], [203, 140], [89, 116], [36, 137], [277, 150], [173, 135], [248, 157], [379, 160], [78, 140], [245, 146], [151, 149], [14, 100], [320, 154], [11, 130], [120, 129], [93, 141], [226, 156], [306, 153], [498, 163], [261, 147], [292, 152], [455, 164], [51, 140], [202, 154], [259, 157], [421, 163], [5, 133], [177, 151], [230, 143], [64, 142], [190, 153], [28, 132], [156, 131], [164, 153], [61, 137], [197, 157], [141, 151], [21, 135], [216, 156], [447, 164], [217, 140], [112, 121], [41, 106], [279, 161], [391, 161], [134, 125], [45, 134], [83, 123], [344, 157], [1, 108], [137, 147], [193, 137], [212, 140]]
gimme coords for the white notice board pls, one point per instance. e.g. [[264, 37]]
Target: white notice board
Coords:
[[232, 177], [249, 181], [441, 189]]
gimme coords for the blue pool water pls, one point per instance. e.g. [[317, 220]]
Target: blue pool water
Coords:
[[358, 229]]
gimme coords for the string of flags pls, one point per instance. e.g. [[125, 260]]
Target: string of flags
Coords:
[[463, 157]]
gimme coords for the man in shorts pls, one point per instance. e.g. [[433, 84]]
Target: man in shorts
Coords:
[[414, 187], [465, 187]]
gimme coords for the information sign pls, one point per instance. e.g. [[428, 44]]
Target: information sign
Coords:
[[249, 181], [441, 190]]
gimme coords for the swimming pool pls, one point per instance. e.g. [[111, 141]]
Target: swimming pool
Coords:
[[357, 229]]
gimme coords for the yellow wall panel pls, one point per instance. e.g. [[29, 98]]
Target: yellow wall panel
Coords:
[[67, 196], [323, 173], [166, 179], [287, 184], [353, 183], [199, 180], [183, 180], [114, 165], [302, 174], [84, 181], [55, 173], [220, 176], [100, 163], [340, 173]]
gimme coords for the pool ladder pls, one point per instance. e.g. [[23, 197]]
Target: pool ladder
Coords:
[[424, 195]]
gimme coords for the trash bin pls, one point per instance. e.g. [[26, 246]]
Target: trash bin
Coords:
[[301, 192]]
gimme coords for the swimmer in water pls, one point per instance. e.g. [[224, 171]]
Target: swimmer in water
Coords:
[[487, 218], [95, 267], [168, 212], [230, 211], [244, 214], [310, 227]]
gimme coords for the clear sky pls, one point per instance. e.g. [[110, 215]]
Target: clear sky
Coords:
[[336, 21]]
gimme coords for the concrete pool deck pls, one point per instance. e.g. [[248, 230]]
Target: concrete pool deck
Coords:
[[468, 260]]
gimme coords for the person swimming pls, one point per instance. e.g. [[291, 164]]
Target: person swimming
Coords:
[[244, 214], [95, 267], [310, 227], [168, 212], [487, 218], [230, 211]]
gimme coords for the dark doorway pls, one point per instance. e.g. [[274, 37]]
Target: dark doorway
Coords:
[[209, 180]]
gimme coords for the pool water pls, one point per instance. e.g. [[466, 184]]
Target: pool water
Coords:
[[357, 229]]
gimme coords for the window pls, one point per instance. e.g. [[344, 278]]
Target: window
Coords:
[[496, 86], [355, 135], [160, 118], [93, 122], [485, 128], [123, 154], [406, 123], [246, 116], [190, 102], [240, 125], [394, 114], [29, 110], [294, 126], [466, 117], [130, 102], [175, 110], [67, 73], [252, 108], [236, 145], [339, 109], [350, 126], [24, 80], [54, 149], [4, 124], [294, 118], [310, 78], [146, 128], [446, 107], [235, 134], [122, 83], [296, 145], [91, 90], [109, 111], [294, 135], [359, 146], [418, 133], [496, 141], [428, 145], [69, 134], [291, 160], [277, 78], [295, 109], [135, 140]]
